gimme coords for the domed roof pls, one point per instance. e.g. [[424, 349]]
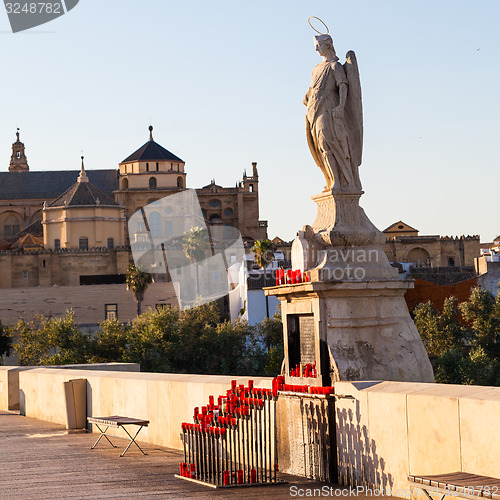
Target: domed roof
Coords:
[[152, 151], [83, 194]]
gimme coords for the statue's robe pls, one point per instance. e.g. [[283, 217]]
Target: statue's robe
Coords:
[[336, 143]]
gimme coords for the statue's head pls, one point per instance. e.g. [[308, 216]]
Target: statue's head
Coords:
[[324, 45]]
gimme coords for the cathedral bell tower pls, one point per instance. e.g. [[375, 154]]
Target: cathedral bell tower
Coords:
[[18, 160]]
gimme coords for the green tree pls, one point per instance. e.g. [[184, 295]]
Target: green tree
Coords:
[[111, 343], [482, 315], [138, 281], [463, 340], [263, 251], [196, 245], [5, 341], [52, 341], [440, 332], [31, 344], [194, 341], [153, 340]]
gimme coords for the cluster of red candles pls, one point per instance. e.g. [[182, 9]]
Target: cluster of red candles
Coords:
[[308, 389], [189, 470], [232, 442], [291, 277], [308, 370], [216, 420]]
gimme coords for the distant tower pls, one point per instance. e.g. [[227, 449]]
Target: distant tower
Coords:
[[18, 160]]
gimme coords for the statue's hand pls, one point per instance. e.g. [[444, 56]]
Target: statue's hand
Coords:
[[338, 113]]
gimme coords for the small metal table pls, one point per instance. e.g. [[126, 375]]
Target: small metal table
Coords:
[[117, 421]]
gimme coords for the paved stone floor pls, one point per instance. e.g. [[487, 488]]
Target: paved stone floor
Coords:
[[39, 460]]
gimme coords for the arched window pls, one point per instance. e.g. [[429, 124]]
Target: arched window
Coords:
[[180, 183], [125, 183], [157, 167], [83, 243], [111, 243], [57, 244], [228, 212], [214, 203], [250, 187], [155, 224], [152, 183], [147, 167], [419, 257], [11, 226]]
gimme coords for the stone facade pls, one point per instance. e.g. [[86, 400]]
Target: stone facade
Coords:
[[91, 304], [403, 244], [148, 174], [61, 268], [236, 207]]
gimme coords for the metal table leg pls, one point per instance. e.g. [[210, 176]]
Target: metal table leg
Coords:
[[103, 433], [132, 440]]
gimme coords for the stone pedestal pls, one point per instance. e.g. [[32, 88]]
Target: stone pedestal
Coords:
[[354, 330], [342, 243]]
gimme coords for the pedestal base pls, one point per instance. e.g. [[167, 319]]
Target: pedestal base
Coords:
[[362, 330], [342, 244]]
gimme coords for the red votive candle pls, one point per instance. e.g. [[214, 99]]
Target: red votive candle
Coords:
[[226, 478], [253, 476], [240, 476]]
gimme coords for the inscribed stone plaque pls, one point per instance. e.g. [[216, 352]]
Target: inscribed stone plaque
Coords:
[[307, 349]]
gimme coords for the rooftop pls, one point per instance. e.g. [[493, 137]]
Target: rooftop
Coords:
[[152, 151], [83, 194], [49, 185]]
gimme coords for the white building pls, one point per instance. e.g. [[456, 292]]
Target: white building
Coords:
[[247, 301]]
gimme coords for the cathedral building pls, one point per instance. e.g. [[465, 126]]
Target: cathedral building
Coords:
[[69, 228]]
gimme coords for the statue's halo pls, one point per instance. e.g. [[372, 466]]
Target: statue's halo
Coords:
[[314, 17]]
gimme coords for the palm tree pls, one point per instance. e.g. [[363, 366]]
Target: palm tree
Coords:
[[195, 245], [263, 252], [138, 281]]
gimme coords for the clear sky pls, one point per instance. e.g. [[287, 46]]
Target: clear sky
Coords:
[[222, 83]]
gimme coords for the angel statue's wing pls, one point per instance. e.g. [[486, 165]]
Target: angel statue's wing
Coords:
[[354, 108]]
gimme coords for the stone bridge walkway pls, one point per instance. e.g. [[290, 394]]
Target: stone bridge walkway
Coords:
[[40, 460]]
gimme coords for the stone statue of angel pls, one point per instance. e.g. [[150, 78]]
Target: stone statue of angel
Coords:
[[334, 119]]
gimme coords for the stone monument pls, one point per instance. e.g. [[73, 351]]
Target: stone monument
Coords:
[[351, 318]]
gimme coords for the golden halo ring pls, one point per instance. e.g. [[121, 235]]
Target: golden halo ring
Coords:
[[314, 17]]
